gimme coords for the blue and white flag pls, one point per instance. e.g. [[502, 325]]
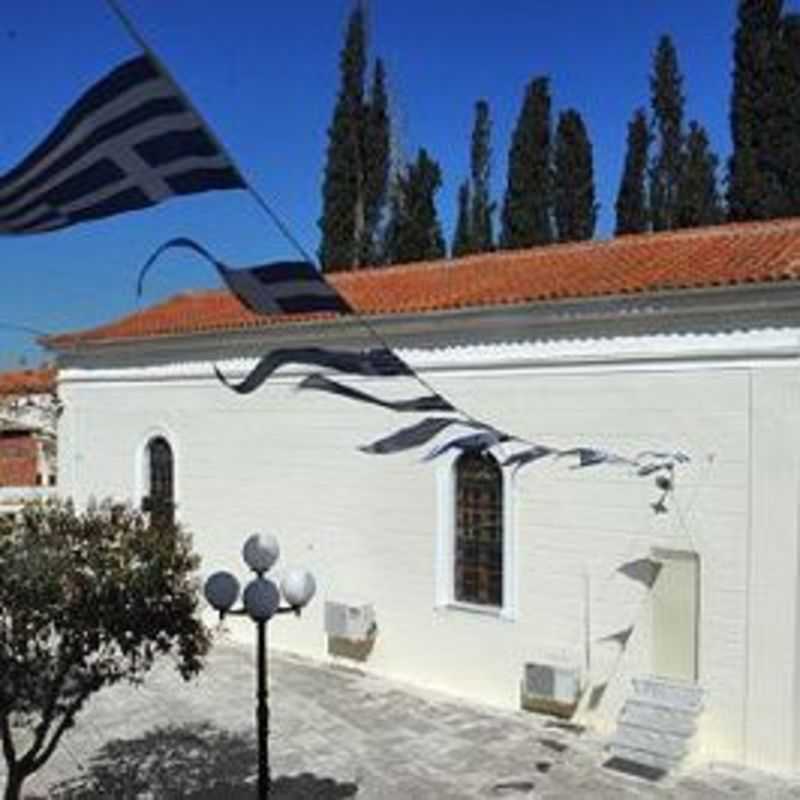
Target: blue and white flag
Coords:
[[129, 142], [281, 287]]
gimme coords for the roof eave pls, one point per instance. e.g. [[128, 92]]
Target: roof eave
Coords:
[[771, 304]]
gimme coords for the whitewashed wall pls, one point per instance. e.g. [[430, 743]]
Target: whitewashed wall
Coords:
[[368, 526]]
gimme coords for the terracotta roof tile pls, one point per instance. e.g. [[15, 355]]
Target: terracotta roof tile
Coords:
[[28, 381], [698, 258]]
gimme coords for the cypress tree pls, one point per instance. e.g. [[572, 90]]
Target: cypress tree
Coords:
[[527, 205], [482, 233], [575, 209], [790, 65], [462, 239], [781, 129], [414, 232], [667, 103], [698, 197], [376, 164], [751, 189], [631, 205], [356, 175], [342, 221]]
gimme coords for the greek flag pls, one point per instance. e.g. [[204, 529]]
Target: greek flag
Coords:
[[280, 287], [129, 142]]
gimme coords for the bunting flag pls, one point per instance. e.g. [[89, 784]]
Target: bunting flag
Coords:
[[650, 469], [528, 456], [653, 461], [421, 433], [676, 456], [479, 442], [642, 570], [129, 142], [282, 287], [591, 457], [408, 438], [431, 402], [368, 362], [620, 637]]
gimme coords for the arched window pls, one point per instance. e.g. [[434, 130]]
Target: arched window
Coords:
[[160, 498], [478, 530]]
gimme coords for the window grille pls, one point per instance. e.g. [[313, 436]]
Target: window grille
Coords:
[[160, 502], [479, 530]]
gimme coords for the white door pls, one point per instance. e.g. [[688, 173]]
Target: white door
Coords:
[[676, 607]]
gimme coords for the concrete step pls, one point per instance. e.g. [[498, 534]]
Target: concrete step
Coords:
[[645, 757], [663, 745], [657, 723], [669, 719], [676, 694]]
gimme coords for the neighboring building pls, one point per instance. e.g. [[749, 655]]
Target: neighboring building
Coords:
[[680, 341], [28, 451]]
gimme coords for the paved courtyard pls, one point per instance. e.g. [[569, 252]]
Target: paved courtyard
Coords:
[[338, 734]]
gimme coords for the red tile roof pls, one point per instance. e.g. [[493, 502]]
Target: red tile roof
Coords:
[[28, 381], [703, 257]]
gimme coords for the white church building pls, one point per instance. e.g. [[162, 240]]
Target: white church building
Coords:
[[515, 588]]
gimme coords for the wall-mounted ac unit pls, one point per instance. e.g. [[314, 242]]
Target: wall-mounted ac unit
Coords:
[[550, 688], [356, 623]]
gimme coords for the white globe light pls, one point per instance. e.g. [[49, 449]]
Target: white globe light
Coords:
[[221, 590], [260, 552], [261, 599], [298, 587]]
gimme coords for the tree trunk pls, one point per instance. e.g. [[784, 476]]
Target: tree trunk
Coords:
[[14, 782]]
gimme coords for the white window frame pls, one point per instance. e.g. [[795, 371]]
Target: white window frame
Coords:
[[445, 544]]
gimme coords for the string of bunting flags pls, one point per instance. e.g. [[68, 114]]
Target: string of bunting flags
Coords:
[[133, 140], [266, 292]]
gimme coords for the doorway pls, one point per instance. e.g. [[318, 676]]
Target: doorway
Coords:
[[676, 615]]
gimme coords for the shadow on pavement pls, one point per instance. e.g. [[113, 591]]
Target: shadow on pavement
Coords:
[[195, 762]]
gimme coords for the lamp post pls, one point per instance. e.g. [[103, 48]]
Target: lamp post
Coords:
[[261, 601]]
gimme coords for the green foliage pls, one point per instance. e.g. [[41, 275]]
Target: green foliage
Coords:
[[481, 228], [788, 131], [631, 205], [527, 205], [780, 129], [356, 175], [87, 600], [414, 232], [698, 201], [376, 147], [462, 239], [575, 209], [764, 113], [342, 220], [474, 229], [667, 103]]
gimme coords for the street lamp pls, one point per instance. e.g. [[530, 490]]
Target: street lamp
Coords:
[[261, 601]]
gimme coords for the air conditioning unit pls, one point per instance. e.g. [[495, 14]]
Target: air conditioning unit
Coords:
[[550, 688], [356, 623]]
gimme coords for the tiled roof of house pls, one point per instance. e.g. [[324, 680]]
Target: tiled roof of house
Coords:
[[698, 258], [28, 381]]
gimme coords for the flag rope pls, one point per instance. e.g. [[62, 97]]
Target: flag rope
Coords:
[[137, 37], [499, 435], [162, 67]]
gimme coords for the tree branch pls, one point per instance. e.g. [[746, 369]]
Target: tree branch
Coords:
[[48, 712], [66, 722], [8, 742]]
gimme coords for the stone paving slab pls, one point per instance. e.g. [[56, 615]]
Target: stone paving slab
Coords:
[[339, 734]]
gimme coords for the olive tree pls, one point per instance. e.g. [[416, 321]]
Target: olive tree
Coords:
[[87, 599]]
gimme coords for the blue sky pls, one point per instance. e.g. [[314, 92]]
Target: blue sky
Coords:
[[265, 76]]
